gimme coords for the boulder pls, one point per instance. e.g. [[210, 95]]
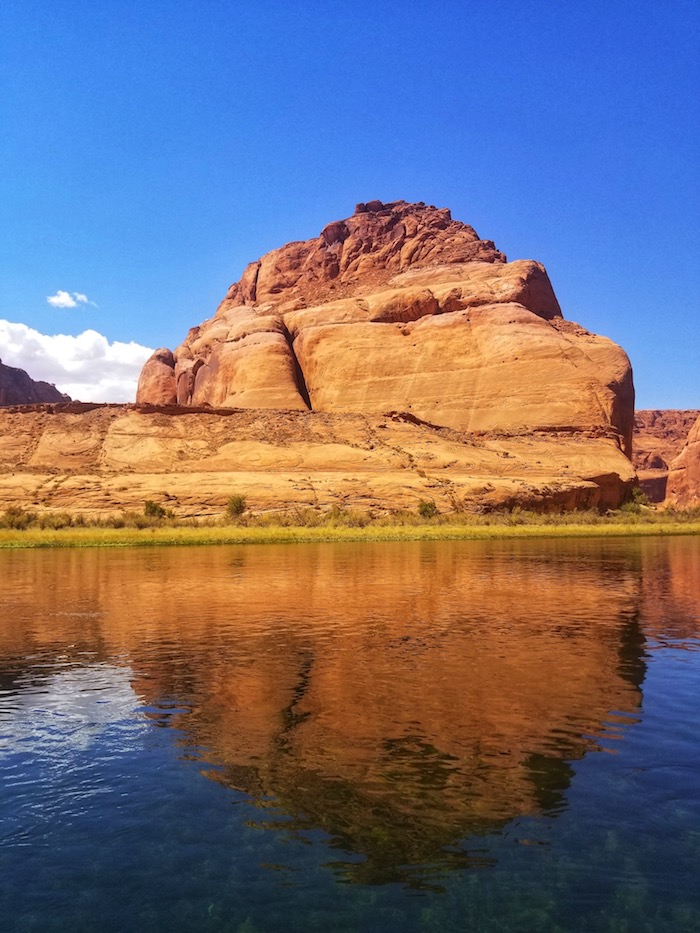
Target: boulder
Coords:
[[157, 379]]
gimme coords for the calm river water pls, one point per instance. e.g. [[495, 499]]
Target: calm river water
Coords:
[[408, 737]]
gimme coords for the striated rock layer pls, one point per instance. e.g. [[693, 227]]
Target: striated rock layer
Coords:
[[18, 388], [684, 473], [400, 308], [104, 458]]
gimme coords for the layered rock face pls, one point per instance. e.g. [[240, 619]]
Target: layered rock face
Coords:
[[684, 474], [18, 388], [104, 458], [659, 436], [400, 308]]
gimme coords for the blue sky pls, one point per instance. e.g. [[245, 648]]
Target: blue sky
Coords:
[[151, 149]]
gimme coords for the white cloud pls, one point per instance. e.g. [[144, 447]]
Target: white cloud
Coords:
[[68, 300], [61, 300], [88, 367]]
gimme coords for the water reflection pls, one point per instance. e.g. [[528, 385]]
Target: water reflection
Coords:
[[405, 699]]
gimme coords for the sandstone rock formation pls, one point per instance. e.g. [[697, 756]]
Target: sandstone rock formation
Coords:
[[684, 474], [659, 437], [394, 358], [18, 388], [104, 458], [400, 308]]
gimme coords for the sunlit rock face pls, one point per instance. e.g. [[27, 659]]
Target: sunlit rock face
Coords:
[[18, 388], [157, 380], [398, 698], [684, 475], [99, 459], [400, 307], [395, 358]]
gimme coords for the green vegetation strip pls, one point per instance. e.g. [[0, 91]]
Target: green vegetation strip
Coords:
[[232, 534]]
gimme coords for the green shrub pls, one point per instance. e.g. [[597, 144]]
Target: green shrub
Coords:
[[639, 496], [236, 506], [151, 509], [636, 500], [338, 516], [55, 520], [427, 508], [18, 518], [140, 520]]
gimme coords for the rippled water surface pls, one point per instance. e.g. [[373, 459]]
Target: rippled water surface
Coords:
[[413, 737]]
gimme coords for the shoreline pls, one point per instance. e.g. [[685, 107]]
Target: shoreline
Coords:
[[30, 538]]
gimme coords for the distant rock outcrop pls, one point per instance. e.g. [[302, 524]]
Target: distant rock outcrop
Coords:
[[400, 308], [18, 388], [659, 436], [684, 473]]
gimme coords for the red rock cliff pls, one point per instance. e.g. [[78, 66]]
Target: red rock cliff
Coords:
[[399, 307], [684, 474], [659, 436]]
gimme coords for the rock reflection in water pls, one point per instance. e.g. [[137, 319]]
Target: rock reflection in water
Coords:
[[402, 698]]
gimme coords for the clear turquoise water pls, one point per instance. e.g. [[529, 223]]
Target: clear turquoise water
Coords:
[[423, 736]]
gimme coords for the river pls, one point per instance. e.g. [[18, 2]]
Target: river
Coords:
[[414, 736]]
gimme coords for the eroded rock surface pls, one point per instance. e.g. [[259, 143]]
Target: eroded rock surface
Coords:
[[401, 308], [105, 458], [684, 473], [394, 358], [659, 436], [18, 388]]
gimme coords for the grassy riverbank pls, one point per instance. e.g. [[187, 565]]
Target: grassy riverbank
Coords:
[[496, 527]]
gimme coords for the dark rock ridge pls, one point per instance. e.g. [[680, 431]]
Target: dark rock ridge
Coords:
[[18, 388]]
